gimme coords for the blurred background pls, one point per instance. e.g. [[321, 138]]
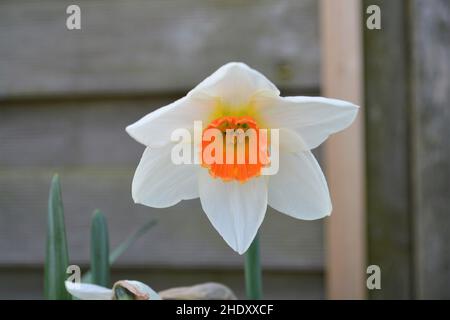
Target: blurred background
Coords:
[[66, 97]]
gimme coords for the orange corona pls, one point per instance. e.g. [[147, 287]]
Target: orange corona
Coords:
[[251, 164]]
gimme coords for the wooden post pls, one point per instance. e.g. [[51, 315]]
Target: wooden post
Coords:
[[430, 148], [389, 214], [341, 28], [407, 95]]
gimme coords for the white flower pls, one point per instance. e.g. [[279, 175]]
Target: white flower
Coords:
[[235, 201], [135, 289]]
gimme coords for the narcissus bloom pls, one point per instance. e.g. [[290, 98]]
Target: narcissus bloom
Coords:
[[235, 196]]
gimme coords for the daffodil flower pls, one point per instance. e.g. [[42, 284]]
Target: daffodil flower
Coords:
[[235, 197], [124, 289]]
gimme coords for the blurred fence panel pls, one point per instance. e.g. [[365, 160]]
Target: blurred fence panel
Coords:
[[407, 93], [387, 135], [96, 160], [430, 118], [66, 97], [139, 45]]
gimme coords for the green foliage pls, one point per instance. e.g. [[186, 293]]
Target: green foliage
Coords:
[[100, 267], [119, 250], [57, 256]]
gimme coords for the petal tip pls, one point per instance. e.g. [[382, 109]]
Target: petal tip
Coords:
[[130, 129], [240, 252], [235, 64]]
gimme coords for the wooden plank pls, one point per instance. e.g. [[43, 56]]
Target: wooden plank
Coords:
[[152, 46], [72, 132], [26, 283], [430, 23], [344, 152], [183, 237], [387, 143]]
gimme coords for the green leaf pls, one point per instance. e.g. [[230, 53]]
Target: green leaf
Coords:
[[57, 256], [119, 250], [100, 250]]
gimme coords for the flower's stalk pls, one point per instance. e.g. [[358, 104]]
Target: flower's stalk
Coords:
[[253, 281]]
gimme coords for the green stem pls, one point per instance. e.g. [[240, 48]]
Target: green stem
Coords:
[[253, 282]]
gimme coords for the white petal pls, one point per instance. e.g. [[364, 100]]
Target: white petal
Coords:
[[313, 118], [145, 288], [291, 141], [235, 209], [86, 291], [235, 83], [159, 183], [299, 188], [156, 127]]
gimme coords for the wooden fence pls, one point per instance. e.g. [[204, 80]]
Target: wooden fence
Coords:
[[67, 96], [407, 88]]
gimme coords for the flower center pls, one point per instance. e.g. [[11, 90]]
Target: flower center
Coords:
[[234, 148]]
